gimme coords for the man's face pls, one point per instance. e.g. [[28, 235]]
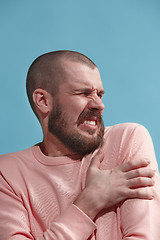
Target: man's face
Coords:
[[76, 117]]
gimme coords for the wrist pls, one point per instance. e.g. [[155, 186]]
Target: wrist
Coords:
[[87, 203]]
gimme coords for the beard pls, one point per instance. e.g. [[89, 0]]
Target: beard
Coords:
[[59, 125]]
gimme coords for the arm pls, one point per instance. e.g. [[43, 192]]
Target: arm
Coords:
[[106, 188], [15, 224], [140, 219], [75, 222]]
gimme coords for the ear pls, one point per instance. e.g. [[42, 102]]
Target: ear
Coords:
[[42, 100]]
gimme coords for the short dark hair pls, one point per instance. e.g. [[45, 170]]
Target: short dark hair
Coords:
[[46, 72]]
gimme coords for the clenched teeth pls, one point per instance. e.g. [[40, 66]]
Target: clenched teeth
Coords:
[[93, 123]]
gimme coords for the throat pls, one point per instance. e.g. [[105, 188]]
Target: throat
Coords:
[[50, 150]]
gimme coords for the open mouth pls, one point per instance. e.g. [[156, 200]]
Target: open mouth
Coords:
[[89, 121], [89, 124]]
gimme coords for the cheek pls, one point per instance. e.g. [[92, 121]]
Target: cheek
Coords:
[[76, 105]]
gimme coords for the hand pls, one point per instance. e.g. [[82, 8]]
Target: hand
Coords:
[[106, 188]]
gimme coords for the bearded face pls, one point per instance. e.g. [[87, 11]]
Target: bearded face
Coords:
[[77, 108], [69, 133]]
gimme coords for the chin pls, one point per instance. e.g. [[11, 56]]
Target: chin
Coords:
[[89, 133]]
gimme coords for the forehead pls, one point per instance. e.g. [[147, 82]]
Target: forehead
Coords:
[[80, 75]]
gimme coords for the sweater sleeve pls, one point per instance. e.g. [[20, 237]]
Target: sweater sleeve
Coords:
[[72, 224], [140, 218]]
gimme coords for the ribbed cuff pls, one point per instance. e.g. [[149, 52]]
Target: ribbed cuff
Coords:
[[75, 223]]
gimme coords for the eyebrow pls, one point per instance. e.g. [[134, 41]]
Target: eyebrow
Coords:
[[86, 89]]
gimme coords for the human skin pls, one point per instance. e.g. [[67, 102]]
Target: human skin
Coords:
[[81, 91], [107, 188]]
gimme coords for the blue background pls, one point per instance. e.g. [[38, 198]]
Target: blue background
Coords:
[[122, 37]]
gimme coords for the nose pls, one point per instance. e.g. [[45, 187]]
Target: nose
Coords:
[[96, 104]]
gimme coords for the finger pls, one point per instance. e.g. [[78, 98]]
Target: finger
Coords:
[[134, 164], [139, 172], [143, 193], [140, 182], [97, 159]]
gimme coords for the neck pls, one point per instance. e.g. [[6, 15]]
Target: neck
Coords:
[[53, 147]]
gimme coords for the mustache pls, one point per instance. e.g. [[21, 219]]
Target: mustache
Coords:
[[90, 114]]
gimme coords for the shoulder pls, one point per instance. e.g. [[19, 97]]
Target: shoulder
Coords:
[[126, 131], [14, 167], [18, 154], [125, 127], [125, 141], [11, 161]]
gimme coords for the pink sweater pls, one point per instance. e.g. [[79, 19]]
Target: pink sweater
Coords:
[[37, 194]]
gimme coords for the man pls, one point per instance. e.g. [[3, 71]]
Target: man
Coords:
[[83, 181]]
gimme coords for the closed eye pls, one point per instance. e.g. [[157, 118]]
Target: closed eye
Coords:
[[100, 95], [85, 93], [88, 92]]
